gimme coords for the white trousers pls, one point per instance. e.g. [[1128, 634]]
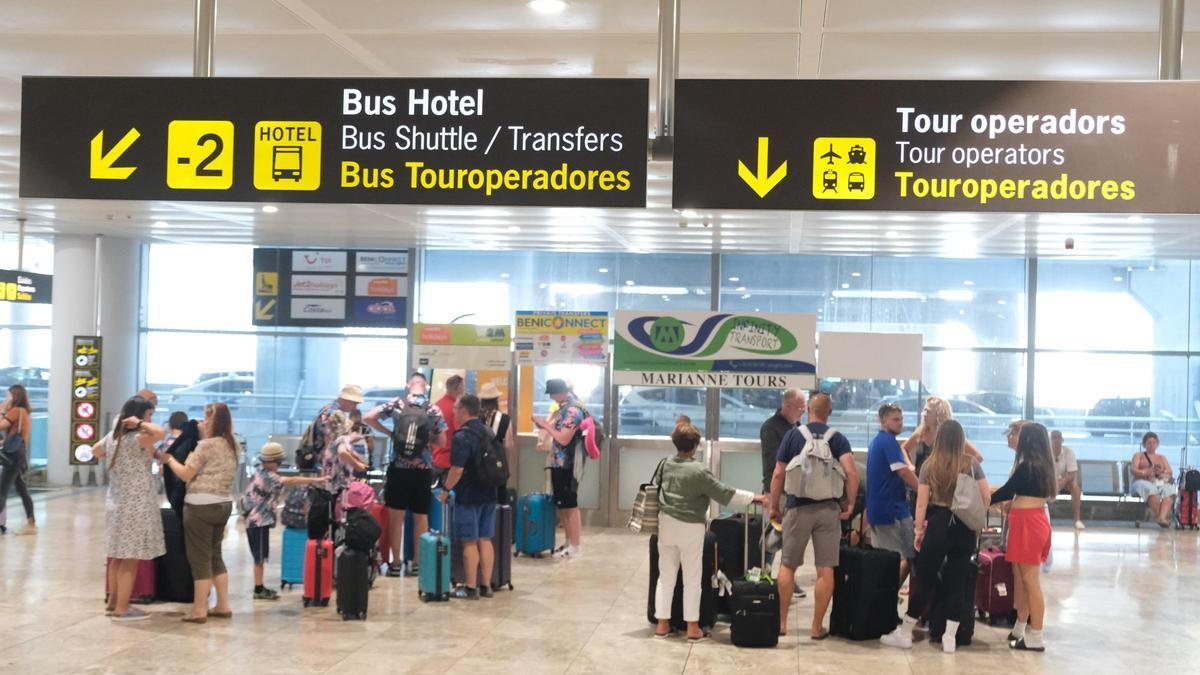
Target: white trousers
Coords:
[[679, 544]]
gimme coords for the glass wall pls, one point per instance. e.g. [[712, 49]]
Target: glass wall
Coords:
[[25, 336], [200, 346]]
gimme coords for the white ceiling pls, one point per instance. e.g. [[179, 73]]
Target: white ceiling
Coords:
[[1016, 39]]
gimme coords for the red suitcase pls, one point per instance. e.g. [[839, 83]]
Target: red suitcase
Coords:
[[318, 572], [995, 588], [144, 587]]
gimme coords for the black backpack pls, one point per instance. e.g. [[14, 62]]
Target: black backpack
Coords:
[[489, 466], [410, 432], [306, 452], [320, 512], [361, 531]]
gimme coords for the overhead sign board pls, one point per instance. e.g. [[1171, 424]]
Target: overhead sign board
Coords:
[[527, 142], [542, 338], [461, 346], [1119, 147], [25, 287], [715, 349], [331, 288]]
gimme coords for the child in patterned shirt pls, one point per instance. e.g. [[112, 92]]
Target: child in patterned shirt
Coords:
[[259, 504]]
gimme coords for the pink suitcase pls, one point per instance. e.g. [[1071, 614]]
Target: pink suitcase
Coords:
[[994, 591], [144, 588]]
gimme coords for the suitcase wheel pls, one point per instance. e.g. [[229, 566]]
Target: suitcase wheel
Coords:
[[510, 586], [307, 602]]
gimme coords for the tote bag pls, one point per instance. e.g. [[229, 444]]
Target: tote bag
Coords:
[[644, 518]]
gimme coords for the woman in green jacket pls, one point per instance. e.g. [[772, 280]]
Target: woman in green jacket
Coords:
[[685, 489]]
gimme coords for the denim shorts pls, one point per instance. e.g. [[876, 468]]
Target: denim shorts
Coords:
[[473, 522]]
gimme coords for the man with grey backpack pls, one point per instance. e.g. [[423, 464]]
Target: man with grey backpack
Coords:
[[815, 467]]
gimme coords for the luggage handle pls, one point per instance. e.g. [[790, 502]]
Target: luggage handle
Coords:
[[762, 548]]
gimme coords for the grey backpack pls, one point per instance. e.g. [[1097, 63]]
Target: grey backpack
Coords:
[[814, 473]]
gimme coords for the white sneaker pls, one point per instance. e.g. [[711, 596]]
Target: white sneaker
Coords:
[[949, 643], [569, 553], [899, 638], [1079, 525]]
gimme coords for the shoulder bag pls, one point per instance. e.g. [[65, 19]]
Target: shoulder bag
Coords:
[[13, 451], [644, 518]]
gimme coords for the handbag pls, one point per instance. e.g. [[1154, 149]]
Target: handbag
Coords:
[[13, 451], [967, 504], [644, 517]]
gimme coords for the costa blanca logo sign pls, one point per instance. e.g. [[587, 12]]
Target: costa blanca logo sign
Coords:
[[715, 349]]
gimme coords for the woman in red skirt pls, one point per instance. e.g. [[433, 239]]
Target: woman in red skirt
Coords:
[[1030, 487]]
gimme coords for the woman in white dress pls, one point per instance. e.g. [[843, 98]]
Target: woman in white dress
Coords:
[[133, 525]]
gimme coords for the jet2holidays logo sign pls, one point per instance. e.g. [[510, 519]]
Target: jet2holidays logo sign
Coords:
[[715, 349]]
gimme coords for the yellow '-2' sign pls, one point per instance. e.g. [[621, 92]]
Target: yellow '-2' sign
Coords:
[[200, 155]]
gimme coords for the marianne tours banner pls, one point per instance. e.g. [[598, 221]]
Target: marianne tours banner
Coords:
[[715, 349]]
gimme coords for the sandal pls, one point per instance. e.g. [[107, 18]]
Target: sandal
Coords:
[[824, 634], [221, 615], [703, 637], [670, 633], [195, 619]]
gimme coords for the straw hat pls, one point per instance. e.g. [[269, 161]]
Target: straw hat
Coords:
[[352, 392], [489, 391], [271, 452]]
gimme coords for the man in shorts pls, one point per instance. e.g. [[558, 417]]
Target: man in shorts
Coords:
[[1066, 471], [888, 476], [409, 484], [808, 519], [563, 428], [475, 503]]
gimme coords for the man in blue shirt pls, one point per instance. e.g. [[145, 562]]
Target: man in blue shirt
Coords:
[[888, 476], [818, 520], [474, 504]]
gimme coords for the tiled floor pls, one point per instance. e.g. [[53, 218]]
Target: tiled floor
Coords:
[[1119, 601]]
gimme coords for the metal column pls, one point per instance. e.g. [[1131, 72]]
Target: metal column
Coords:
[[1170, 39], [668, 68], [1031, 333], [202, 46]]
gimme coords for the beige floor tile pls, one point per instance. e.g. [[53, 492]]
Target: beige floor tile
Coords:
[[1108, 590]]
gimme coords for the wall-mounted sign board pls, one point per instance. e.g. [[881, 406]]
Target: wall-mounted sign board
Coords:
[[330, 287]]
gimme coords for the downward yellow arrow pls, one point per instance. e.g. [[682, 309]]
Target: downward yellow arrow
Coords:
[[762, 182], [262, 312], [102, 162]]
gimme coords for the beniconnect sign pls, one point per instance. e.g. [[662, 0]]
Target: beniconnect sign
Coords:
[[715, 349], [561, 337]]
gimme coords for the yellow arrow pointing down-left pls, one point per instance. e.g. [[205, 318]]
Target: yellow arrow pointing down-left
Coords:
[[102, 162], [262, 310]]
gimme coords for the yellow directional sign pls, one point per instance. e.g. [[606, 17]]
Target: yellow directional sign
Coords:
[[761, 181], [287, 155], [264, 311], [200, 155], [843, 168], [101, 164], [266, 284]]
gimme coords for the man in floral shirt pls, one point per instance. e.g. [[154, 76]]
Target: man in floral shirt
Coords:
[[567, 456], [409, 483], [259, 504]]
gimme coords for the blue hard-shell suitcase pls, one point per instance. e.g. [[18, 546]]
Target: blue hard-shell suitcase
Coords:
[[435, 517], [535, 522], [291, 561], [433, 579]]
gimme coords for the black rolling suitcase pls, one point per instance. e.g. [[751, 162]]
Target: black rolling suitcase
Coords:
[[866, 586], [353, 584], [172, 573], [734, 548], [502, 548], [966, 626], [754, 604], [708, 594]]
